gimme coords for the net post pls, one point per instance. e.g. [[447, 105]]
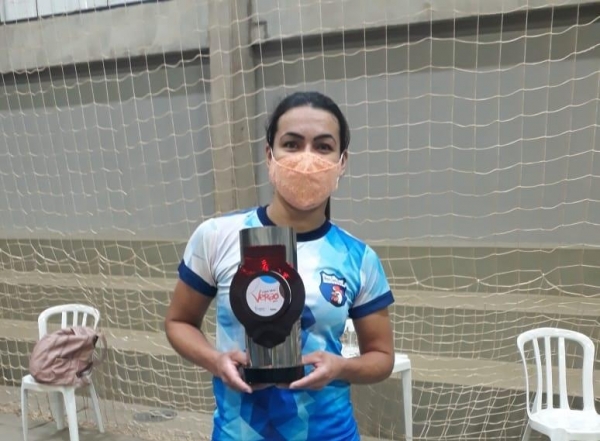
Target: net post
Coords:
[[232, 103]]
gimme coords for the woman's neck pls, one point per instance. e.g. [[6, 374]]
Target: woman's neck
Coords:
[[282, 214]]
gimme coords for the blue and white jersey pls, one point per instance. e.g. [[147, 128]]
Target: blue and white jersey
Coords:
[[343, 277]]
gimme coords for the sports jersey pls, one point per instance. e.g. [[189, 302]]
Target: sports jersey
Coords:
[[343, 277]]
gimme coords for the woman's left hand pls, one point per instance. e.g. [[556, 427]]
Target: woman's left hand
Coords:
[[328, 367]]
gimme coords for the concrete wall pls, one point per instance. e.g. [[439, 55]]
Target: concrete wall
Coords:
[[180, 25], [105, 153], [288, 18], [470, 140], [488, 137], [137, 30]]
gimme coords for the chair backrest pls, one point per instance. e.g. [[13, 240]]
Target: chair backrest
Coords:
[[349, 326], [544, 368], [71, 315], [350, 346], [350, 332]]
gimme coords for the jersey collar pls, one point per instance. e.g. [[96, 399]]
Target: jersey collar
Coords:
[[300, 237]]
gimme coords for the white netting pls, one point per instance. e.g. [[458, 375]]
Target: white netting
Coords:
[[473, 171]]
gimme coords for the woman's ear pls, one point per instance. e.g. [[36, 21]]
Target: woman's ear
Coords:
[[269, 154], [344, 162]]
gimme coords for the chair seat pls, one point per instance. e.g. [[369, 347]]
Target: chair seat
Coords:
[[29, 383], [573, 421], [401, 363]]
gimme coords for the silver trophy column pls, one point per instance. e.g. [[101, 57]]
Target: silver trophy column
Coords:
[[289, 353], [273, 331]]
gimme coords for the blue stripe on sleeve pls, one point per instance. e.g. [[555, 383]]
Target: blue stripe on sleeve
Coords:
[[383, 301], [193, 280]]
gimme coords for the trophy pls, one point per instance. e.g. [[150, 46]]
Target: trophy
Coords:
[[267, 297]]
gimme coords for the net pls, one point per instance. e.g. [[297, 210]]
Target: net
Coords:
[[473, 172]]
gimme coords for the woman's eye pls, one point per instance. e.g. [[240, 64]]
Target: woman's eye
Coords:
[[290, 144], [325, 147]]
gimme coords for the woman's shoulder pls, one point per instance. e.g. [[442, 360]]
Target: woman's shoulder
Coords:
[[228, 223], [342, 237], [346, 235], [232, 218]]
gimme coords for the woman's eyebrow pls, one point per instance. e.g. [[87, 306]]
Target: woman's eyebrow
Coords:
[[317, 138]]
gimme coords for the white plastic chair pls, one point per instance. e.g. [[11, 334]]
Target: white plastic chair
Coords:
[[401, 365], [559, 423], [71, 315]]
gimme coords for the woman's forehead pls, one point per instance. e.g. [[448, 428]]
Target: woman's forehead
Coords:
[[308, 121]]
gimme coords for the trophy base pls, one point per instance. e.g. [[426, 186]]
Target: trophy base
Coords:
[[273, 375]]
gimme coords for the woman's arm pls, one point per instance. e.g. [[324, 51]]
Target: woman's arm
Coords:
[[376, 344], [375, 340], [182, 326]]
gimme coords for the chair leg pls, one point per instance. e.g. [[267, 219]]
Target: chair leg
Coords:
[[527, 433], [407, 397], [96, 404], [71, 407], [24, 412], [57, 410]]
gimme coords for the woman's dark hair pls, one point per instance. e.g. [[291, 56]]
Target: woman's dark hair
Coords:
[[315, 100]]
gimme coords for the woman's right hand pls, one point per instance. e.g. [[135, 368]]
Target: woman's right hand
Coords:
[[228, 365]]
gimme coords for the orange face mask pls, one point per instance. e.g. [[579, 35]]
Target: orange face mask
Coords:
[[305, 180]]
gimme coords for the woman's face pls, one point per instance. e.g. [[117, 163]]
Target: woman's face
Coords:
[[307, 129]]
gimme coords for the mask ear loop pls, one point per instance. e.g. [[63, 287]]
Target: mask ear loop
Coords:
[[272, 155], [341, 162]]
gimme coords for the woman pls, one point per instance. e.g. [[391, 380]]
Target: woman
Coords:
[[307, 141]]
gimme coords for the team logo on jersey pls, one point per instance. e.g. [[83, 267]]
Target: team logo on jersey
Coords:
[[333, 289]]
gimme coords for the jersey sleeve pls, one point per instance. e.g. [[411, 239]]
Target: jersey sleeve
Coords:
[[196, 269], [375, 293]]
